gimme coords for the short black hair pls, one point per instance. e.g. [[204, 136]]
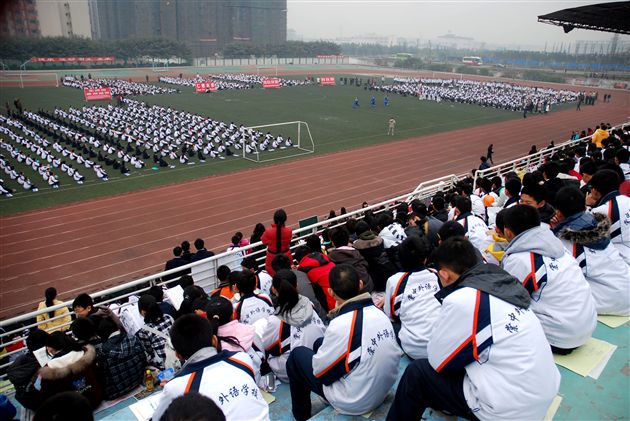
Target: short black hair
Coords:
[[280, 261], [190, 333], [157, 292], [570, 201], [588, 167], [450, 229], [344, 281], [199, 244], [250, 263], [340, 237], [186, 281], [300, 252], [83, 300], [463, 204], [177, 251], [499, 220], [36, 339], [456, 254], [513, 186], [193, 406], [106, 327], [65, 406], [520, 218], [536, 192], [246, 283], [437, 202], [605, 181], [413, 252], [83, 328], [223, 272], [551, 170]]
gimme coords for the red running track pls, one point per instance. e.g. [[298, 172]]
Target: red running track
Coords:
[[96, 244]]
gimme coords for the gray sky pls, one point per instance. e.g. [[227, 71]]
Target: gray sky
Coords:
[[495, 22]]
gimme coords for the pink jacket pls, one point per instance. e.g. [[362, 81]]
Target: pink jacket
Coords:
[[244, 333]]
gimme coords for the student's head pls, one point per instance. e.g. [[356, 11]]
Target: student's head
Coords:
[[279, 217], [106, 327], [463, 205], [622, 156], [59, 341], [284, 286], [300, 252], [550, 170], [199, 244], [533, 196], [177, 251], [519, 219], [149, 308], [340, 237], [223, 272], [84, 328], [185, 246], [186, 281], [280, 261], [220, 309], [193, 406], [361, 227], [413, 253], [249, 264], [314, 243], [65, 406], [50, 294], [344, 282], [246, 283], [465, 189], [513, 187], [384, 219], [483, 159], [450, 229], [36, 339], [499, 223], [569, 201], [454, 257], [587, 169], [157, 292], [83, 305], [604, 182], [438, 203], [190, 333], [235, 240], [259, 230]]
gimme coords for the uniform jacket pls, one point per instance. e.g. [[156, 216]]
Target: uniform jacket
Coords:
[[476, 230], [409, 298], [617, 208], [587, 238], [269, 239], [236, 394], [485, 327], [561, 297], [358, 359], [392, 235], [253, 307], [317, 266], [250, 343]]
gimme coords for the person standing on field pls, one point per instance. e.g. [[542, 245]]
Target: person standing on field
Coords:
[[391, 126]]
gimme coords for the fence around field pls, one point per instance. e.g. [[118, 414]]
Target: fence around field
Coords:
[[204, 271]]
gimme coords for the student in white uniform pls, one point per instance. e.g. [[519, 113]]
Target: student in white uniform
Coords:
[[476, 230], [251, 306], [357, 362], [409, 297], [225, 377], [488, 357]]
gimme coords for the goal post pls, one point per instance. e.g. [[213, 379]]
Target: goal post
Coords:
[[158, 67], [298, 131], [267, 69]]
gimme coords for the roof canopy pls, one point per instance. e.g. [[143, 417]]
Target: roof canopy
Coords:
[[608, 17]]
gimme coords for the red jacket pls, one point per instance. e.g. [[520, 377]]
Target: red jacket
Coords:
[[269, 239], [317, 267]]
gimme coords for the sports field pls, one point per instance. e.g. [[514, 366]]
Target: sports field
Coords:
[[334, 125]]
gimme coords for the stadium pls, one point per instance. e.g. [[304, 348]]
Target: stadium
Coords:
[[111, 172]]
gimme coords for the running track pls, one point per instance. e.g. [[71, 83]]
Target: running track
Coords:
[[96, 244]]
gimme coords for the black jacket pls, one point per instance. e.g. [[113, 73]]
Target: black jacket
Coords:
[[201, 254], [172, 264], [22, 374]]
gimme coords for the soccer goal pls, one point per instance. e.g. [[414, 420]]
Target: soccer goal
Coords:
[[298, 131], [28, 79], [265, 70], [159, 67]]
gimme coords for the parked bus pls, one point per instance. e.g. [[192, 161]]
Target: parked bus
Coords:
[[475, 61]]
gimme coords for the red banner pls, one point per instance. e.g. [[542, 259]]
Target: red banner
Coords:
[[205, 87], [327, 80], [620, 85], [95, 94], [73, 59], [271, 83]]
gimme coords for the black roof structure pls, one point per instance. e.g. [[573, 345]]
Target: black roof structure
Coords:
[[608, 17]]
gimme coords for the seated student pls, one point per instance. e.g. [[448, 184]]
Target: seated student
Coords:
[[512, 191], [605, 199], [251, 306], [201, 253], [496, 250], [233, 335], [535, 196], [346, 253], [65, 406], [23, 372], [154, 334], [263, 279], [356, 364], [472, 374], [409, 297], [225, 288], [72, 368], [83, 306], [193, 406], [476, 230], [120, 358], [317, 267], [304, 286], [372, 248], [293, 324], [191, 294], [84, 330], [44, 320], [213, 373], [158, 293], [175, 262], [561, 296], [586, 236]]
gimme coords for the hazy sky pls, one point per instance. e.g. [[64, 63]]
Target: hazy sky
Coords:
[[495, 22]]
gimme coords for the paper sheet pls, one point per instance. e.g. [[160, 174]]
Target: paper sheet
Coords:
[[42, 356], [144, 409], [553, 408], [268, 397], [613, 321], [175, 295], [587, 357]]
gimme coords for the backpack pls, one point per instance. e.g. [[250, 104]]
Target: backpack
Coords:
[[171, 360]]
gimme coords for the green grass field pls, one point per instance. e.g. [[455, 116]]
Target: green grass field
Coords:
[[334, 125]]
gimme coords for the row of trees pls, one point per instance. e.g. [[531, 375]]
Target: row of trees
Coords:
[[287, 49]]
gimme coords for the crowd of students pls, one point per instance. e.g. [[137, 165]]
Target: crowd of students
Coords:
[[502, 95], [117, 86], [477, 287]]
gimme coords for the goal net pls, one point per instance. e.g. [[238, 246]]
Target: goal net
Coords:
[[298, 131], [28, 79], [267, 70], [159, 67]]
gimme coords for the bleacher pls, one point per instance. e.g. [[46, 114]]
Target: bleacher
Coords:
[[602, 395]]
